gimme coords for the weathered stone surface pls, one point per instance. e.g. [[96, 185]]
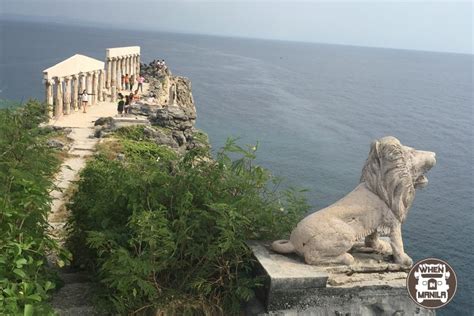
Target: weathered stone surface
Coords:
[[130, 121], [367, 287], [379, 203], [174, 117], [104, 121], [173, 125], [54, 143], [75, 298], [162, 138], [105, 125], [286, 272]]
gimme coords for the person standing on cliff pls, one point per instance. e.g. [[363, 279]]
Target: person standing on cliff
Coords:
[[120, 104], [127, 103], [136, 96], [126, 80], [84, 100], [132, 82], [140, 80]]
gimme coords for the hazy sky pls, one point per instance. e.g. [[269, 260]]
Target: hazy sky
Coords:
[[422, 25]]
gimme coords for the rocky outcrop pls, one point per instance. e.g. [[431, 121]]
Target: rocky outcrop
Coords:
[[179, 140], [104, 126], [174, 117], [168, 107]]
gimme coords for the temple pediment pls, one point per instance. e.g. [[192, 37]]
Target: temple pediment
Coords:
[[72, 66]]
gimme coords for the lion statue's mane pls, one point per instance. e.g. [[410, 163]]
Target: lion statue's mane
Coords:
[[387, 174]]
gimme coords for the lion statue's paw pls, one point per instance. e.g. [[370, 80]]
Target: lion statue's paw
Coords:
[[383, 247], [404, 260]]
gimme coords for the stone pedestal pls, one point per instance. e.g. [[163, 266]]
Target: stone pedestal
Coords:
[[372, 286]]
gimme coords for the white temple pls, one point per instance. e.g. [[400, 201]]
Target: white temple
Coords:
[[121, 61], [67, 79]]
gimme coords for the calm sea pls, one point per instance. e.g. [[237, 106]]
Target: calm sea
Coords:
[[313, 108]]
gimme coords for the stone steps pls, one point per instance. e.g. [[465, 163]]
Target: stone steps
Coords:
[[75, 297]]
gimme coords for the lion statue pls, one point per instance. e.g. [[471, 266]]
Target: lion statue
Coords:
[[378, 204]]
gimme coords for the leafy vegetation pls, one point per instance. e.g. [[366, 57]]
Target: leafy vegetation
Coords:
[[26, 167], [166, 233]]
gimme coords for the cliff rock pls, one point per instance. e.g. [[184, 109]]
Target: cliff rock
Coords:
[[167, 110]]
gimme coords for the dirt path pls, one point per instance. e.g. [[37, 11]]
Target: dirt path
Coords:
[[74, 298]]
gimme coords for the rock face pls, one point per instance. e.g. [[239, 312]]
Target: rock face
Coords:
[[175, 117], [368, 287], [166, 88], [168, 108], [54, 143]]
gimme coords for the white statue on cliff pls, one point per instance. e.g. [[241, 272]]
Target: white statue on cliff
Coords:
[[379, 203]]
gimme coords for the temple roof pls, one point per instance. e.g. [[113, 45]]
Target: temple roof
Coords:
[[122, 51], [73, 65]]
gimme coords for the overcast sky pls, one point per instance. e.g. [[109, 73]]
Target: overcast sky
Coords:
[[426, 25]]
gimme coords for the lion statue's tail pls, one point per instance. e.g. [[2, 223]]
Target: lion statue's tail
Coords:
[[283, 246]]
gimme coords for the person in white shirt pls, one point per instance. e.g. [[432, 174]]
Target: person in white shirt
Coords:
[[84, 100]]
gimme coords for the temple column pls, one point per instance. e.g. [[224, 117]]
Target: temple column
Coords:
[[108, 74], [89, 86], [100, 82], [95, 80], [67, 95], [49, 96], [138, 64], [113, 82], [75, 92], [122, 65], [135, 64], [132, 65], [129, 65], [113, 72], [119, 73], [104, 91], [83, 82], [128, 70], [58, 102]]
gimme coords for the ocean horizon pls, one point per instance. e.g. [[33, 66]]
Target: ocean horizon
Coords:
[[314, 110]]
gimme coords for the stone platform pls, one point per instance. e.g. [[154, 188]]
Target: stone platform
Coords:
[[372, 286]]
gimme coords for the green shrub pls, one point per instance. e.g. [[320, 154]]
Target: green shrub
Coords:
[[26, 166], [167, 233]]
